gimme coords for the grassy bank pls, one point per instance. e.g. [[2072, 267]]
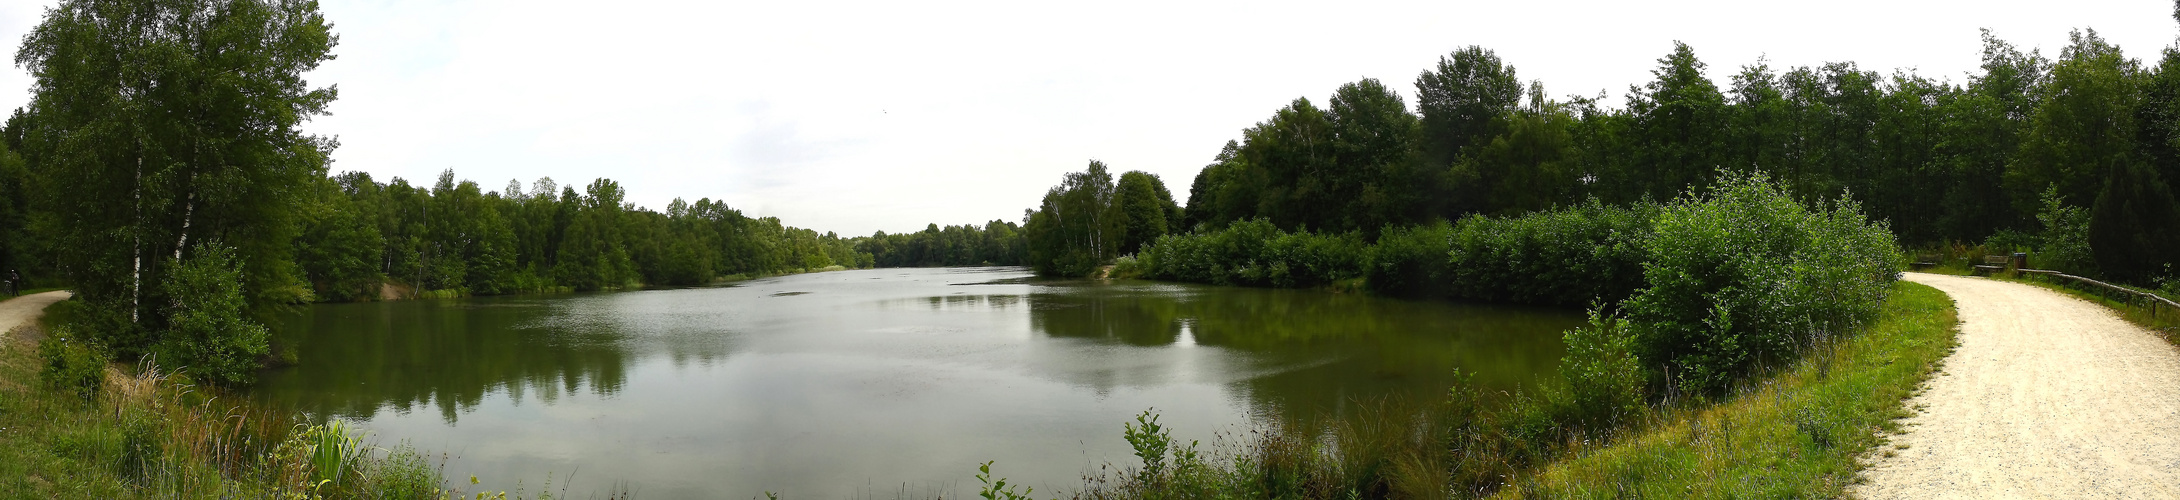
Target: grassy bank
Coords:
[[1796, 433], [1790, 431], [148, 435], [144, 434]]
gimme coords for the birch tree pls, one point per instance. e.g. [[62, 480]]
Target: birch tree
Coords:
[[157, 124]]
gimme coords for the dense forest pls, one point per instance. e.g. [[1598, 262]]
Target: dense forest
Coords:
[[451, 236], [2072, 157]]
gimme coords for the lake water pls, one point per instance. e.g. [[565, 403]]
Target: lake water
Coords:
[[870, 383]]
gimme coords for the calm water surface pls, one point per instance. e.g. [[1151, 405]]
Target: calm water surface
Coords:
[[870, 383]]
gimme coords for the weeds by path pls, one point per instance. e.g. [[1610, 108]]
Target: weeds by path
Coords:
[[1796, 434]]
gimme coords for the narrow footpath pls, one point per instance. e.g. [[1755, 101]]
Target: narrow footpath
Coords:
[[2048, 396], [22, 310]]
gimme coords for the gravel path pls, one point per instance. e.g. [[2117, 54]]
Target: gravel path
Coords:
[[22, 310], [2048, 396]]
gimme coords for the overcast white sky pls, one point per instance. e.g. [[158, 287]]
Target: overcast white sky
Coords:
[[855, 117]]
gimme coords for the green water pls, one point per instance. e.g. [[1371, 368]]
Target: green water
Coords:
[[870, 383]]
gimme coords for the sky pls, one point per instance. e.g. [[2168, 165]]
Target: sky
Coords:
[[857, 117]]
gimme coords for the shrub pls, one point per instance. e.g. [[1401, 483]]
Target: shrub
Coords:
[[72, 365], [1126, 267], [1570, 256], [402, 474], [1412, 261], [2064, 245], [2008, 240], [207, 334], [1604, 380], [1256, 253], [1743, 275]]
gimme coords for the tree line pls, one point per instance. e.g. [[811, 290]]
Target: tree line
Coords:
[[160, 172], [1995, 159], [454, 237]]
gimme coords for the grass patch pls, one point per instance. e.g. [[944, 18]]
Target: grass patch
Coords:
[[1797, 433]]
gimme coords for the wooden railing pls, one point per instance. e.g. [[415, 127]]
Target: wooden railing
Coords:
[[2150, 300]]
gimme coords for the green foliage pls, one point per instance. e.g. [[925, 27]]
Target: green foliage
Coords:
[[1679, 131], [1460, 99], [340, 248], [1742, 276], [1078, 227], [1572, 256], [2011, 241], [1256, 253], [18, 250], [2085, 126], [1143, 199], [2134, 229], [998, 490], [1411, 261], [1151, 442], [2064, 243], [1339, 169], [208, 335], [1604, 377], [997, 243], [1126, 267], [164, 438], [72, 365], [454, 240], [157, 124], [334, 454], [1529, 166], [1799, 433]]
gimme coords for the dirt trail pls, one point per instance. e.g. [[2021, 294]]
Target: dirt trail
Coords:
[[24, 309], [2048, 396]]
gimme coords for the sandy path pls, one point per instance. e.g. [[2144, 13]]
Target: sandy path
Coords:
[[2048, 396], [24, 309]]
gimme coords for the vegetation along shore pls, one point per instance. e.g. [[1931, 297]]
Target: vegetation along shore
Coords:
[[1738, 248]]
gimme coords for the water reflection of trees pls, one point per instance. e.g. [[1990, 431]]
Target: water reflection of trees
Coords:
[[1311, 351], [359, 359]]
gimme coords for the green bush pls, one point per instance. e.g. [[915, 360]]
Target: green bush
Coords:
[[1743, 275], [2008, 240], [207, 334], [72, 365], [1571, 256], [1256, 253], [2064, 245], [1126, 267], [1412, 261], [1604, 380]]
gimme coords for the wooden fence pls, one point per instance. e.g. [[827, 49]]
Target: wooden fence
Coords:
[[2149, 300]]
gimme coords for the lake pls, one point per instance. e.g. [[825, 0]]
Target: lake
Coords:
[[870, 383]]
